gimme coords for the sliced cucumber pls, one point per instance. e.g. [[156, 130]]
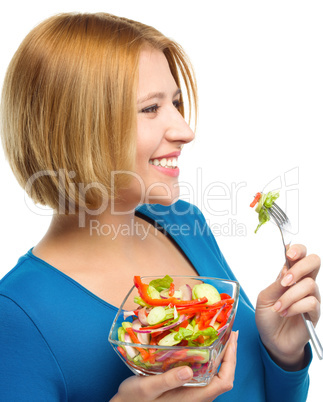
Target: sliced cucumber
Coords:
[[121, 333], [156, 315], [208, 291], [138, 300], [169, 340], [177, 294], [169, 313], [153, 293], [126, 325]]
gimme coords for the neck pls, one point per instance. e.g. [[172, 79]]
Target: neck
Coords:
[[108, 231]]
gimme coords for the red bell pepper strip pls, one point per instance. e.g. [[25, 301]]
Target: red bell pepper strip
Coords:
[[179, 354], [208, 307], [161, 335], [256, 199], [221, 317], [133, 336], [152, 356], [142, 289], [226, 317], [200, 339], [171, 289], [155, 335], [122, 352], [184, 324], [225, 296], [205, 323]]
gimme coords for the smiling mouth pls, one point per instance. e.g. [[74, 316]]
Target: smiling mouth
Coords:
[[170, 163]]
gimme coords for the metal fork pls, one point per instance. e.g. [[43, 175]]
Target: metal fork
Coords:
[[284, 226]]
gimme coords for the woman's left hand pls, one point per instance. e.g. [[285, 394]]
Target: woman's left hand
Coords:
[[279, 308]]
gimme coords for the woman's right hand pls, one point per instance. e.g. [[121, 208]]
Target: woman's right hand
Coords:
[[168, 386]]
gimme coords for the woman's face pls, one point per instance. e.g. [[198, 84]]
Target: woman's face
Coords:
[[162, 131]]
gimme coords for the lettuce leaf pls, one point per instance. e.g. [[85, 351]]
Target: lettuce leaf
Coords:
[[263, 217], [266, 201], [271, 197], [183, 334], [162, 283], [209, 334]]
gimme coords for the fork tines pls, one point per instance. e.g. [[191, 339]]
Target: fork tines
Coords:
[[279, 213]]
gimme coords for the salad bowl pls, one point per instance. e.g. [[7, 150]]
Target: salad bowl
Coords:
[[166, 322]]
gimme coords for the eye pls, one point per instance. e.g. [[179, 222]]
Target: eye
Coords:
[[177, 104], [150, 109]]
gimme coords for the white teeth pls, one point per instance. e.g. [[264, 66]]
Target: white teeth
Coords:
[[167, 163]]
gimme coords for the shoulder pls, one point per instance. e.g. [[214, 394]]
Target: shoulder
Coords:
[[183, 221], [17, 275], [180, 217], [180, 211], [31, 283]]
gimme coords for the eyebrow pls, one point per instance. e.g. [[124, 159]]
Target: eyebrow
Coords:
[[158, 95]]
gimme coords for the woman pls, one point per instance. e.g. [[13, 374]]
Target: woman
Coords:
[[93, 126]]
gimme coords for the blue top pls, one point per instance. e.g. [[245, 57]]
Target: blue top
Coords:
[[54, 332]]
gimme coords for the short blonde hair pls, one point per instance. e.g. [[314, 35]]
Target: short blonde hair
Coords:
[[69, 105]]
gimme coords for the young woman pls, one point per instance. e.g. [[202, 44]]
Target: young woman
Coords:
[[93, 126]]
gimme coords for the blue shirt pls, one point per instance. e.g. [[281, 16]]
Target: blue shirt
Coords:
[[54, 332]]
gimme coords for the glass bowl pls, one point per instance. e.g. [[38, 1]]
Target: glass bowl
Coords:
[[204, 360]]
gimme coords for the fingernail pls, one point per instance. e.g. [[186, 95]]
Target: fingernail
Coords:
[[277, 306], [184, 374], [291, 253], [283, 313], [287, 280]]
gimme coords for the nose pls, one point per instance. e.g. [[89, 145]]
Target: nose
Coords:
[[177, 129]]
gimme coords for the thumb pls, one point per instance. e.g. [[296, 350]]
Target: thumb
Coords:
[[174, 378], [152, 387], [273, 292]]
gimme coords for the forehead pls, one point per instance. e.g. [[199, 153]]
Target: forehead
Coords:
[[154, 73]]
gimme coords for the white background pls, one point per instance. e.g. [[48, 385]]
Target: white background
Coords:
[[259, 67]]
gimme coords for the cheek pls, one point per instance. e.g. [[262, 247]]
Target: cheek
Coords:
[[148, 141]]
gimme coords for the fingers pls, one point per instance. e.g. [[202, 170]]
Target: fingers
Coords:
[[171, 379], [294, 284], [223, 381], [295, 252], [306, 266], [303, 297], [168, 386], [227, 370], [308, 305]]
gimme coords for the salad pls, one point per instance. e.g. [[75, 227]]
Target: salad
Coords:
[[264, 200], [166, 316]]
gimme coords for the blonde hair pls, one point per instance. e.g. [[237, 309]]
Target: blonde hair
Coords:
[[69, 105]]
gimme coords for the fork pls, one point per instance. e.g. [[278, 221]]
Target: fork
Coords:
[[283, 223]]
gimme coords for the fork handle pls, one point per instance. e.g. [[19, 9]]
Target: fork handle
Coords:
[[315, 340], [308, 323]]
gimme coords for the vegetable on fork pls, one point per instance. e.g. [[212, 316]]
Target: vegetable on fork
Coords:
[[264, 200]]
